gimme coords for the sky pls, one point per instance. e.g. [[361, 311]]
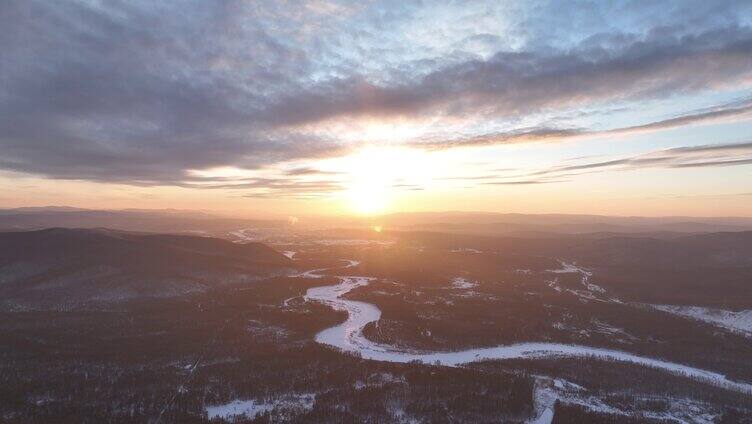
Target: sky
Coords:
[[369, 107]]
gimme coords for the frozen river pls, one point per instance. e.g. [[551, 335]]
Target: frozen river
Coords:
[[348, 336]]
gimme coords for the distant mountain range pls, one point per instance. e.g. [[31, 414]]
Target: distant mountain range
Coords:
[[61, 267], [157, 220], [481, 223], [537, 225]]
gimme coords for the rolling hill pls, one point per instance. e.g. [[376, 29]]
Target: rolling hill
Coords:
[[61, 267]]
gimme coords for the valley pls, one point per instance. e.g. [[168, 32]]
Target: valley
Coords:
[[383, 319]]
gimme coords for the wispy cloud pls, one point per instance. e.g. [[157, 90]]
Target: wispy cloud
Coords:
[[523, 182], [308, 171], [680, 157], [719, 155], [739, 110], [702, 196]]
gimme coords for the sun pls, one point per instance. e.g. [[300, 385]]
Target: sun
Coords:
[[369, 182], [369, 196], [375, 175]]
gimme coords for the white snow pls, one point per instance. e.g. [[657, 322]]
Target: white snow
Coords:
[[465, 250], [590, 291], [544, 400], [245, 235], [237, 408], [740, 322], [348, 336], [316, 273], [463, 283], [250, 408], [289, 253], [267, 331], [547, 391], [286, 302], [619, 333]]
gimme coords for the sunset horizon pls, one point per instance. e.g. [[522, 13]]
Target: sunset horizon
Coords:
[[509, 108], [376, 211]]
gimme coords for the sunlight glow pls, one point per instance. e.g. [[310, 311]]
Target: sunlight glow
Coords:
[[368, 196], [374, 174]]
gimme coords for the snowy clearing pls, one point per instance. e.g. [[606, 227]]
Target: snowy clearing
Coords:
[[463, 283], [465, 250], [291, 404], [739, 322], [289, 253], [237, 408], [589, 290]]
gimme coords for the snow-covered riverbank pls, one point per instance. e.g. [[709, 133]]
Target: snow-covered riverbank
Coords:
[[739, 322], [348, 336]]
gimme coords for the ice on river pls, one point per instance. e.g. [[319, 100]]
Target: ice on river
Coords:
[[348, 336]]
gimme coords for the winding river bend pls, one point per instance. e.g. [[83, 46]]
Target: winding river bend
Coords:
[[348, 336]]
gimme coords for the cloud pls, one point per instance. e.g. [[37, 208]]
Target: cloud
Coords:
[[703, 196], [142, 92], [271, 188], [514, 83], [680, 157], [704, 156], [523, 182], [272, 185], [308, 171], [115, 93], [735, 110]]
